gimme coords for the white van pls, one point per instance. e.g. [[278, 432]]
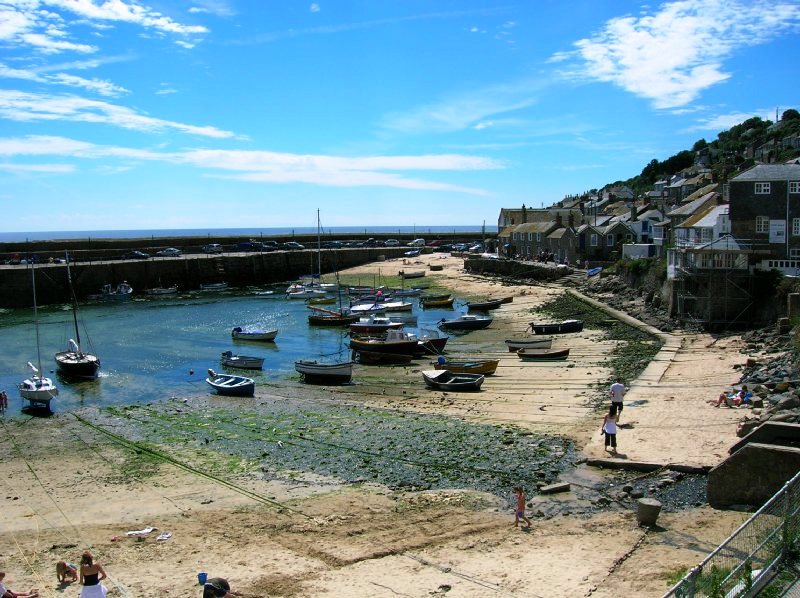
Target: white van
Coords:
[[417, 243]]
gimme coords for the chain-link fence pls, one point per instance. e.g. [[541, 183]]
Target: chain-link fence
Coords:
[[748, 559]]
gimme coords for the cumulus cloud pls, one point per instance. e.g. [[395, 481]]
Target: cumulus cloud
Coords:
[[314, 7], [274, 167], [670, 56], [28, 107]]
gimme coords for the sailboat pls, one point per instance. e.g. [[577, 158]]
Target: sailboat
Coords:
[[328, 317], [74, 363], [39, 391]]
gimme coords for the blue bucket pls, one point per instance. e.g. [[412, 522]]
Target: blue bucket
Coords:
[[201, 578]]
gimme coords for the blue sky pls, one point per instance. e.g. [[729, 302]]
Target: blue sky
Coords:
[[117, 114]]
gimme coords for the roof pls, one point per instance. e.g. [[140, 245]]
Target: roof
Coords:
[[560, 232], [663, 223], [616, 224], [700, 192], [724, 243], [534, 227], [706, 218], [650, 214], [769, 172], [690, 208], [506, 232]]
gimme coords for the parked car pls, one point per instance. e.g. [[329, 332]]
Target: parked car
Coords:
[[332, 245], [477, 248], [135, 254], [391, 243], [291, 245], [169, 252], [212, 248], [270, 246], [443, 248], [417, 243]]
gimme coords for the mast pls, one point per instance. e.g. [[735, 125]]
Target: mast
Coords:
[[74, 305], [319, 251], [36, 320]]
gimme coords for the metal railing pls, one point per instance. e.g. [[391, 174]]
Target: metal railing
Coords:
[[743, 564]]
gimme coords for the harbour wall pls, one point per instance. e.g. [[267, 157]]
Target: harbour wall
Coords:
[[187, 272]]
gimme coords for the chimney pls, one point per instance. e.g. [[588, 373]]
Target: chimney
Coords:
[[571, 220], [524, 214], [558, 220], [633, 212]]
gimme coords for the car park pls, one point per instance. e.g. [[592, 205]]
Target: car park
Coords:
[[169, 252], [135, 254], [212, 248]]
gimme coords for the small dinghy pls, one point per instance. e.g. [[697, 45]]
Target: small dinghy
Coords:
[[241, 334], [444, 380], [466, 322], [314, 372], [543, 354], [515, 344], [558, 328], [377, 358], [231, 386], [484, 305], [487, 367], [242, 362]]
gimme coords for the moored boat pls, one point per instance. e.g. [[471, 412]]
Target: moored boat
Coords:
[[487, 367], [374, 324], [37, 389], [543, 354], [122, 292], [484, 305], [466, 322], [314, 372], [156, 291], [430, 303], [406, 275], [74, 363], [378, 358], [230, 385], [253, 334], [214, 286], [445, 380], [322, 300], [567, 326], [434, 297], [515, 344], [241, 362]]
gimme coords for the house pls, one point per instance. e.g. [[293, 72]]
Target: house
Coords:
[[563, 244], [643, 223], [765, 210], [703, 227], [528, 239]]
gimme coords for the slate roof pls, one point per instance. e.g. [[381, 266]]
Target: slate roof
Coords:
[[706, 218], [690, 208], [534, 227], [559, 233], [769, 172]]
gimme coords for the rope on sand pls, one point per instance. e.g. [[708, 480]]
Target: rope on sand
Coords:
[[619, 562]]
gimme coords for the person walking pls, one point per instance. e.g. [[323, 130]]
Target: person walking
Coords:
[[617, 391], [609, 428], [519, 511]]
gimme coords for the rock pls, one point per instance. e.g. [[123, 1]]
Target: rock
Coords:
[[788, 402], [627, 488], [555, 488], [637, 494]]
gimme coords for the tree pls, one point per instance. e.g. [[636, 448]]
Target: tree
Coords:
[[790, 114], [699, 144]]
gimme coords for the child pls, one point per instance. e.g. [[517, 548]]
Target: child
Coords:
[[609, 428], [519, 513], [66, 572]]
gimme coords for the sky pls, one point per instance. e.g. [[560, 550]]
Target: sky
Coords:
[[116, 114]]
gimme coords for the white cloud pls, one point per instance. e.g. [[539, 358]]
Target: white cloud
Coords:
[[219, 8], [51, 168], [185, 44], [671, 56], [36, 23], [468, 110], [104, 88], [274, 167], [723, 122], [162, 91], [314, 7], [23, 106]]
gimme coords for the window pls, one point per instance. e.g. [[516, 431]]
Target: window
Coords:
[[762, 188], [530, 236], [796, 227], [705, 234], [762, 224], [794, 253], [593, 240], [610, 240], [538, 237], [794, 187]]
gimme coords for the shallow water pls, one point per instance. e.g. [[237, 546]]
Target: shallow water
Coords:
[[148, 347]]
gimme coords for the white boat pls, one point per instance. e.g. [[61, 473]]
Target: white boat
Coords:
[[242, 362], [315, 372], [241, 334], [368, 308], [230, 385], [122, 292], [214, 286], [155, 291], [74, 363], [306, 293], [37, 389]]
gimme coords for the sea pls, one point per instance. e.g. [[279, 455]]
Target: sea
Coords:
[[153, 349], [336, 231]]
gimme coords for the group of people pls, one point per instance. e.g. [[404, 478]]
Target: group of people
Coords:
[[608, 429], [734, 399]]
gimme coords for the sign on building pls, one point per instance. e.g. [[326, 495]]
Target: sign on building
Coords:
[[777, 231]]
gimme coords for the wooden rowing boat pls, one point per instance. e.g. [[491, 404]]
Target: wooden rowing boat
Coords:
[[543, 354], [487, 367]]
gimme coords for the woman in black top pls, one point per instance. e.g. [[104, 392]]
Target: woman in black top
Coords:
[[91, 575]]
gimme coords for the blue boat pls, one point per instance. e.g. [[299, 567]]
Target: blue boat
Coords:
[[594, 271]]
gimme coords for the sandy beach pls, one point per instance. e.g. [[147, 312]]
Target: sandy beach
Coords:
[[68, 486]]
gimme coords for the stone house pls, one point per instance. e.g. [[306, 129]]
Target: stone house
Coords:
[[528, 239], [704, 227], [563, 244]]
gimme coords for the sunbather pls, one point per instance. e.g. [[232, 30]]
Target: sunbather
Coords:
[[6, 593]]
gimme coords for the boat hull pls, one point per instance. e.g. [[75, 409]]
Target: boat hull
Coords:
[[331, 320], [465, 324], [515, 345], [565, 327], [314, 372], [444, 380], [437, 303], [485, 305], [38, 391], [486, 367], [542, 354], [77, 365], [254, 335], [241, 362], [231, 386], [377, 358]]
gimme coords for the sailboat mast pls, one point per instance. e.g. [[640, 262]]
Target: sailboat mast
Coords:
[[319, 250], [36, 319], [74, 303]]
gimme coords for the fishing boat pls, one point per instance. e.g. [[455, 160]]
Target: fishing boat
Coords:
[[37, 389], [515, 344], [74, 363], [466, 322], [314, 372], [564, 327], [214, 286], [378, 358], [407, 275], [374, 324], [395, 306], [241, 362], [122, 292], [157, 291], [431, 303], [230, 385], [487, 367], [484, 305], [430, 342], [328, 317], [444, 380], [543, 354], [368, 308], [254, 334], [405, 346]]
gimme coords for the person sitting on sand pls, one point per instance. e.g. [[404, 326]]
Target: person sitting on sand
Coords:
[[722, 399], [218, 587], [742, 397], [6, 593], [92, 574], [66, 572]]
